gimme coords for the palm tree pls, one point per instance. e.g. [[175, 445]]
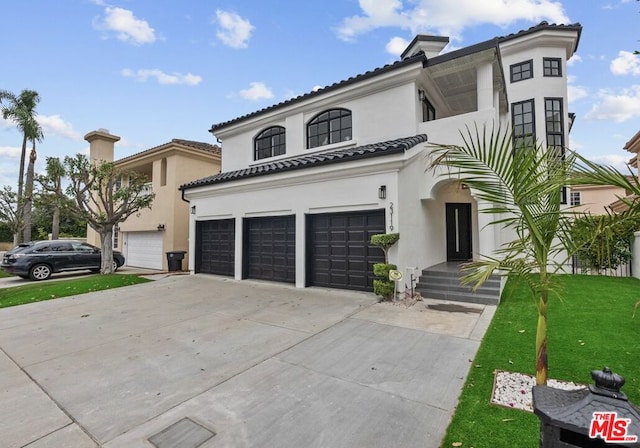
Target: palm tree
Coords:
[[21, 110], [524, 186], [52, 183], [35, 133]]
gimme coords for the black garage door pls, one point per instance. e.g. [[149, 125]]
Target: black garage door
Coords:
[[270, 248], [215, 246], [339, 252]]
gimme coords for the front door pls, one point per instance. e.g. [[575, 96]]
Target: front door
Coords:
[[458, 216]]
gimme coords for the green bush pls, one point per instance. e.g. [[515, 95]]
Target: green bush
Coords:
[[382, 286]]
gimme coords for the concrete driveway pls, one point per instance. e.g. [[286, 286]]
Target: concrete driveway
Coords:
[[173, 362]]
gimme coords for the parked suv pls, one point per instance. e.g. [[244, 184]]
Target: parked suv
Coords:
[[38, 260]]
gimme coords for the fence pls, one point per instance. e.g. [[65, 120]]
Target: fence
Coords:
[[579, 267]]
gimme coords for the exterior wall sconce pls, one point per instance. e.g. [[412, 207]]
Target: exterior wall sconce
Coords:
[[193, 209], [421, 95], [382, 192], [160, 227]]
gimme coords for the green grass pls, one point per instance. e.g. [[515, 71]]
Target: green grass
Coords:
[[590, 326], [4, 274], [37, 292]]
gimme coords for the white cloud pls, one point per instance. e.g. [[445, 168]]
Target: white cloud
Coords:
[[162, 77], [127, 27], [447, 18], [258, 91], [54, 124], [626, 63], [575, 92], [617, 161], [234, 31], [10, 152], [396, 46], [574, 60], [616, 106]]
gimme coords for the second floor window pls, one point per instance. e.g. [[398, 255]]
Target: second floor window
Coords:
[[552, 67], [270, 143], [523, 122], [522, 71], [331, 126], [576, 198], [428, 111]]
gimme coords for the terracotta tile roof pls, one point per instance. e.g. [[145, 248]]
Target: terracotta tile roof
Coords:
[[396, 146], [202, 146]]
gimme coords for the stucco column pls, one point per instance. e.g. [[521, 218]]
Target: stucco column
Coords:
[[301, 249], [238, 249], [486, 232], [484, 86]]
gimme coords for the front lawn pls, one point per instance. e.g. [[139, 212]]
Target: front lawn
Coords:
[[589, 327], [4, 274], [37, 292]]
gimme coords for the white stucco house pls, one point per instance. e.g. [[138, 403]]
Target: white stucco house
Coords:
[[306, 182]]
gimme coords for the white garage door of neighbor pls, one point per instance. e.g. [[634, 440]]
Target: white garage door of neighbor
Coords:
[[144, 250]]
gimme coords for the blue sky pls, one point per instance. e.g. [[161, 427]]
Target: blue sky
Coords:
[[153, 70]]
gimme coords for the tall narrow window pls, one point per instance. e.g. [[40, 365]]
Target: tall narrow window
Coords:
[[552, 67], [428, 111], [270, 143], [331, 126], [555, 130], [521, 71], [523, 122]]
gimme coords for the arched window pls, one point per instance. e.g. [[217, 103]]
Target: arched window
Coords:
[[269, 143], [331, 126]]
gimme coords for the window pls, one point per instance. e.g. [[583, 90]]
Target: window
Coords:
[[428, 111], [555, 131], [522, 71], [576, 197], [552, 67], [329, 127], [523, 122], [163, 172], [269, 143], [116, 236]]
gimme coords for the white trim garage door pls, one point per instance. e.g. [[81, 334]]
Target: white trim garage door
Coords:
[[144, 249]]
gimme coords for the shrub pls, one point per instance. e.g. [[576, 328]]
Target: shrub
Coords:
[[382, 286], [385, 241]]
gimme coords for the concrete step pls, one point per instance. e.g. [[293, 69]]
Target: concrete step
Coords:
[[456, 296], [455, 281]]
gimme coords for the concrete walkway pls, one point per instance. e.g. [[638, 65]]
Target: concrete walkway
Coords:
[[200, 361]]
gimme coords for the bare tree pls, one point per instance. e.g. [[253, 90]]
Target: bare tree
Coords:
[[9, 212], [99, 198]]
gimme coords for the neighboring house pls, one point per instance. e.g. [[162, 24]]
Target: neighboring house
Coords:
[[633, 146], [594, 199], [306, 182], [145, 237]]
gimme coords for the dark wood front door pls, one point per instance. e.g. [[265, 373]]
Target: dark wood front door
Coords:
[[458, 217]]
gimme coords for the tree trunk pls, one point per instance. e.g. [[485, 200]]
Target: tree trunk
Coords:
[[542, 365], [28, 194], [106, 239], [55, 224], [23, 156]]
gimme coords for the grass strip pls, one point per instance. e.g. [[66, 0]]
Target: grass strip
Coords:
[[37, 292], [590, 325]]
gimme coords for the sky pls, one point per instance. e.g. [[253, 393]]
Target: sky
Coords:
[[153, 70]]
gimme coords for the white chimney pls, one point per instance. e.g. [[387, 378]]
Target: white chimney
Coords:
[[430, 45]]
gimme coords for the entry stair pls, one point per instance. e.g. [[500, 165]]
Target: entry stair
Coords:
[[442, 282]]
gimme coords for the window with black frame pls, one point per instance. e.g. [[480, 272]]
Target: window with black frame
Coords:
[[555, 130], [552, 67], [270, 143], [523, 122], [521, 71], [328, 127]]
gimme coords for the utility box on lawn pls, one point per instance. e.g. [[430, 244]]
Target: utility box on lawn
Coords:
[[594, 417]]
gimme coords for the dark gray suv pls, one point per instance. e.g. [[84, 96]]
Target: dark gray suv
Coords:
[[38, 260]]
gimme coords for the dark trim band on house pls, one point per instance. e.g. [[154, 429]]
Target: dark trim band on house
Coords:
[[387, 148]]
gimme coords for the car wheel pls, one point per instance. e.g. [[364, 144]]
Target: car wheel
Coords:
[[114, 266], [40, 272]]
